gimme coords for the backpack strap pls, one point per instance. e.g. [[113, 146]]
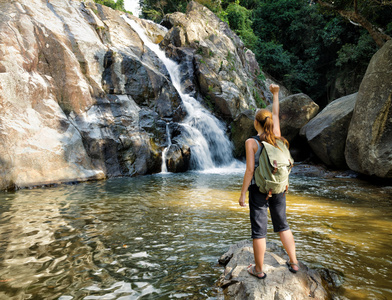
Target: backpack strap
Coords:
[[257, 138]]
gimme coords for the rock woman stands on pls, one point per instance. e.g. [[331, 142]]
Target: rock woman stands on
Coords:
[[268, 129]]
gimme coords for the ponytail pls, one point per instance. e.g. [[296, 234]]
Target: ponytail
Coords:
[[264, 117]]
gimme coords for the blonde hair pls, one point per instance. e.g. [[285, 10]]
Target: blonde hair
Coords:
[[264, 118]]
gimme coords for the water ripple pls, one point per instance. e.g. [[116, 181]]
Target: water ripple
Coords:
[[159, 237]]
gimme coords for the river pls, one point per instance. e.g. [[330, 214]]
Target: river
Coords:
[[160, 236]]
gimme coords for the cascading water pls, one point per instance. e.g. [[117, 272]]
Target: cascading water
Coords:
[[210, 147], [169, 142]]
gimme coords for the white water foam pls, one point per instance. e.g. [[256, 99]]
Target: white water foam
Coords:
[[164, 152]]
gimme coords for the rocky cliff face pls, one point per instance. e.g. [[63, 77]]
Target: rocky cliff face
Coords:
[[83, 98], [226, 73]]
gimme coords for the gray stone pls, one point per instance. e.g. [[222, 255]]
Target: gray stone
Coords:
[[295, 111], [242, 128], [369, 140], [327, 132], [178, 158], [280, 283]]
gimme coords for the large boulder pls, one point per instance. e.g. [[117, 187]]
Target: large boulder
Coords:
[[295, 111], [226, 72], [327, 132], [369, 140], [280, 284]]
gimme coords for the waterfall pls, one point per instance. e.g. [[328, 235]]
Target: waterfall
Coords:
[[169, 142], [210, 147]]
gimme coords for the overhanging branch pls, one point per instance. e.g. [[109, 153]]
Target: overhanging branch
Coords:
[[357, 19]]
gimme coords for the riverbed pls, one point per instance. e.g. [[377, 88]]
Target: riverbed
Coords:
[[160, 236]]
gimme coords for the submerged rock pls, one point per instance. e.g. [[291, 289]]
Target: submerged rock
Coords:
[[280, 283]]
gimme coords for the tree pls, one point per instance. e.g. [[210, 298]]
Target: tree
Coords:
[[309, 51], [118, 5], [239, 19], [357, 13]]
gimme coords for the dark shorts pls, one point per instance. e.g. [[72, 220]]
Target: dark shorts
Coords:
[[258, 206]]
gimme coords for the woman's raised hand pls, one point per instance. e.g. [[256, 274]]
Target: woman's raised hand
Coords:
[[274, 88]]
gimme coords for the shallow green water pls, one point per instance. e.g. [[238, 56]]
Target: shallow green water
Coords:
[[159, 237]]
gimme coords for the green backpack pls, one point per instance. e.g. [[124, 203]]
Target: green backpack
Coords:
[[272, 173]]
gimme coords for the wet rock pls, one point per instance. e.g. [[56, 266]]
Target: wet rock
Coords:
[[185, 58], [280, 282], [242, 128], [369, 141], [321, 171], [327, 132], [178, 158]]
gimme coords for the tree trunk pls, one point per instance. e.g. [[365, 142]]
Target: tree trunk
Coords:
[[378, 37]]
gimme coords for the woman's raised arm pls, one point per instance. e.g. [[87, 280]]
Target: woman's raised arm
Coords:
[[274, 88]]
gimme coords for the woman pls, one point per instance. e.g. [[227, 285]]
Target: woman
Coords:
[[268, 129]]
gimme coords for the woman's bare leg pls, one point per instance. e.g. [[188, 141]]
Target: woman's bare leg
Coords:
[[259, 246], [287, 239]]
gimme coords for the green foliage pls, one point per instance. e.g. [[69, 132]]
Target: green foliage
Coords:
[[212, 5], [239, 19], [118, 5], [152, 14], [299, 46], [156, 9], [259, 101], [274, 57], [223, 16], [359, 52]]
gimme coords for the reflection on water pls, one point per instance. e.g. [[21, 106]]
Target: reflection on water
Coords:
[[159, 237]]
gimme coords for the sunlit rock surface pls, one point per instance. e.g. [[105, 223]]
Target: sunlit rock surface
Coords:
[[73, 78], [369, 140], [280, 283]]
